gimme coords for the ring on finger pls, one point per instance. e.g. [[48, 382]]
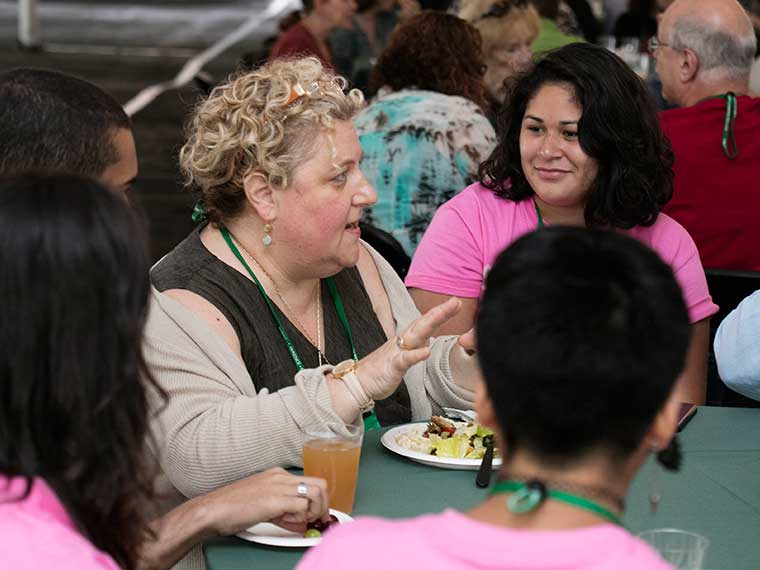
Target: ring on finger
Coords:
[[302, 489], [401, 343]]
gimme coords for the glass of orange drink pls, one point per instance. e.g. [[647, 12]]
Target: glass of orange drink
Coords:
[[335, 458]]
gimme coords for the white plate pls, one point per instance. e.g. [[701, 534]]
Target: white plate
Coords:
[[273, 535], [389, 441]]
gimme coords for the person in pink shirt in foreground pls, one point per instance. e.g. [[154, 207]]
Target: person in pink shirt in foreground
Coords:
[[570, 319]]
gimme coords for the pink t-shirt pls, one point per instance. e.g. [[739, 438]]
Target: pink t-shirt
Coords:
[[469, 231], [453, 541], [36, 532]]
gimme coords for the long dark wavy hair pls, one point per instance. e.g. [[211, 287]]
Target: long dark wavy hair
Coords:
[[73, 409], [433, 51], [619, 128]]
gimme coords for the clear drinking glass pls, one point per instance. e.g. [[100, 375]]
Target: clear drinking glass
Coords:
[[684, 550], [335, 458]]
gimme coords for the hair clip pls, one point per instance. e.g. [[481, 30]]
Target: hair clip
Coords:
[[298, 91], [199, 212]]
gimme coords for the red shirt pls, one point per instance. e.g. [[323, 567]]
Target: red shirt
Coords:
[[715, 198], [296, 41]]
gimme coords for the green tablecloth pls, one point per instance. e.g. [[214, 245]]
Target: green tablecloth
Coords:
[[717, 494]]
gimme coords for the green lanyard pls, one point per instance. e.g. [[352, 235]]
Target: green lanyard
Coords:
[[370, 418], [728, 127], [728, 141], [525, 499], [538, 214]]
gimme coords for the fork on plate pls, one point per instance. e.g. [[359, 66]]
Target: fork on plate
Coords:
[[463, 415]]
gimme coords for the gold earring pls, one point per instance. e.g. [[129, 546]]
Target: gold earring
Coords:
[[267, 239]]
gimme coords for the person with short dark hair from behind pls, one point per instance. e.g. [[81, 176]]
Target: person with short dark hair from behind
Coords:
[[580, 145], [50, 121], [581, 336]]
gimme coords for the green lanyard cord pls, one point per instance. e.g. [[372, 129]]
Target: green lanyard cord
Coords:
[[338, 302], [527, 496], [370, 418], [283, 333], [730, 150], [538, 215], [728, 140]]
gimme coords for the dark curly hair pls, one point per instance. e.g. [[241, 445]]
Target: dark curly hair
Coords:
[[433, 51], [73, 408], [619, 128]]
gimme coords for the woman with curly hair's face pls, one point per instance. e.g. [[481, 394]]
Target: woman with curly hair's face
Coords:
[[556, 167], [318, 212]]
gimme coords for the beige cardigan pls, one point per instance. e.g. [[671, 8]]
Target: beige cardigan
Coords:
[[217, 428]]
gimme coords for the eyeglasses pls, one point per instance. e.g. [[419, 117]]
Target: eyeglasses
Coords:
[[502, 8], [654, 44]]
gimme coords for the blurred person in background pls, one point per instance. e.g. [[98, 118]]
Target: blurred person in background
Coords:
[[587, 24], [704, 51], [638, 22], [425, 133], [551, 36], [572, 320], [579, 144], [508, 29], [308, 35], [355, 50]]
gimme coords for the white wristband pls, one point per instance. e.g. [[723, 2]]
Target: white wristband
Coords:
[[355, 388]]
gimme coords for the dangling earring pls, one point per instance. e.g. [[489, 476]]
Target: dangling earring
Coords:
[[670, 457], [267, 239], [670, 460], [655, 486]]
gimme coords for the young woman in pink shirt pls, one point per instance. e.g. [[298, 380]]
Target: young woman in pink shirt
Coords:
[[580, 145]]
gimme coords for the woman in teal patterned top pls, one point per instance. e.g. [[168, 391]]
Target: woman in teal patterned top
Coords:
[[425, 133]]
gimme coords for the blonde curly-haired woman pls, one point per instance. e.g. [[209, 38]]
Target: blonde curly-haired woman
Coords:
[[508, 29], [274, 317]]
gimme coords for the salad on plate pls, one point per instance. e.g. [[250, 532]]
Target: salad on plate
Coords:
[[443, 437]]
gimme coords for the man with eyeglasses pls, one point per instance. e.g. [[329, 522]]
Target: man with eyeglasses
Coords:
[[704, 50]]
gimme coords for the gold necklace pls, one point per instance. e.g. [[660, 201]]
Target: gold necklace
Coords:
[[291, 312]]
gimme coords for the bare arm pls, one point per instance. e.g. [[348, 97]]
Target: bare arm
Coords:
[[692, 385], [460, 323], [268, 496]]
